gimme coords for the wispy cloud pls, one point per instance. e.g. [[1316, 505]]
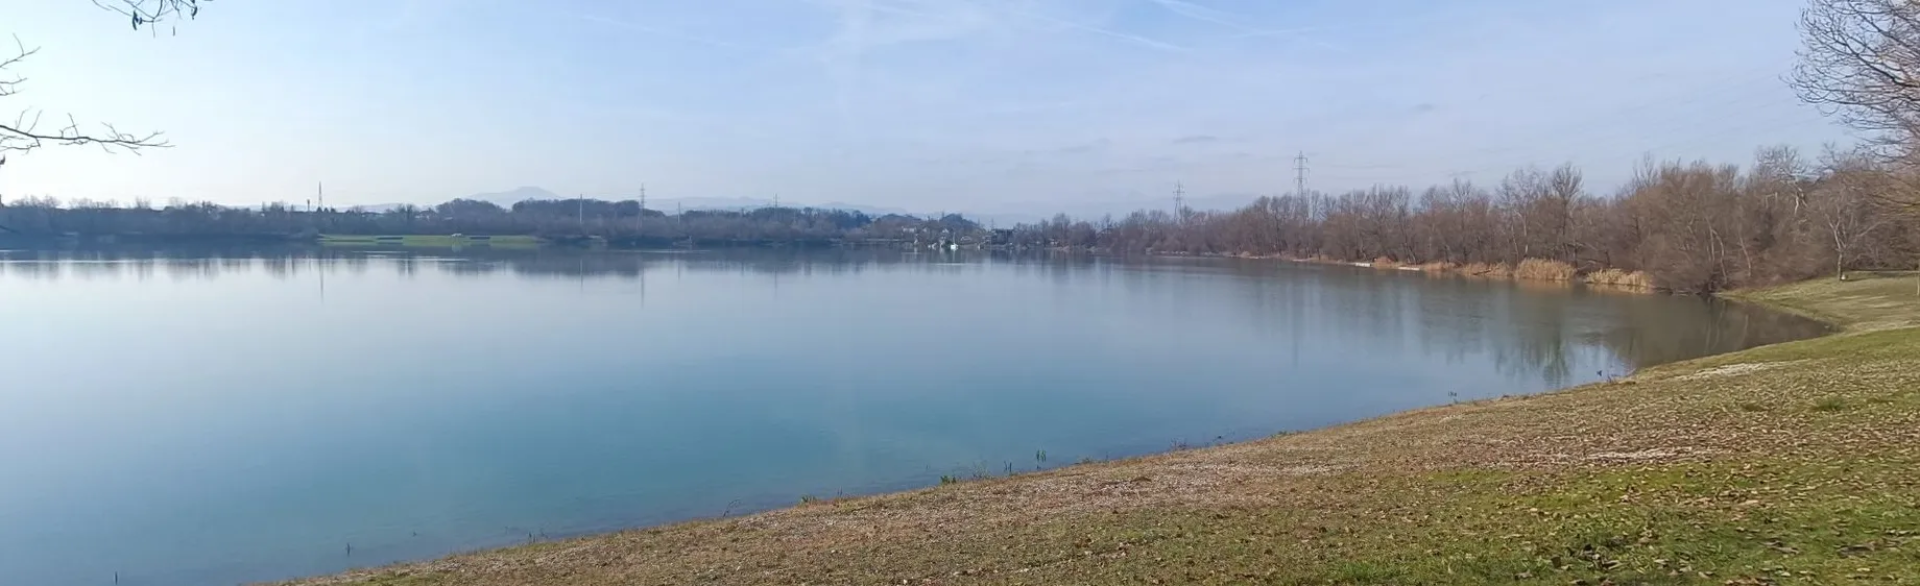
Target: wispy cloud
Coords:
[[665, 33], [901, 101], [400, 14], [1106, 32], [1238, 23], [1204, 14], [864, 27], [1090, 147]]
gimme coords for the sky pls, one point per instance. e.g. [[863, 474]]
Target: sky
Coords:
[[925, 105]]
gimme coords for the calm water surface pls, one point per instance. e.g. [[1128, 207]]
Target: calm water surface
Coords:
[[187, 419]]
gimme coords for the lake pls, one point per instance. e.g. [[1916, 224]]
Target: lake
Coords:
[[215, 417]]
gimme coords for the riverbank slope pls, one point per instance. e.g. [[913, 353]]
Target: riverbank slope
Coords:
[[1784, 464]]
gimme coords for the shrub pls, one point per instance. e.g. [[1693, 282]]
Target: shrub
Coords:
[[1620, 278], [1480, 269], [1543, 270]]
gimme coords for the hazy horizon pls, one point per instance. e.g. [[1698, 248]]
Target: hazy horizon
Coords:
[[919, 105]]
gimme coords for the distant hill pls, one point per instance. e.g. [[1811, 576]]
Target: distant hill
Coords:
[[506, 199], [378, 208], [668, 204], [1117, 205], [735, 203]]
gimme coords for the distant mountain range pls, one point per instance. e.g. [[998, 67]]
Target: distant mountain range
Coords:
[[1094, 210], [506, 199], [502, 198], [1117, 207]]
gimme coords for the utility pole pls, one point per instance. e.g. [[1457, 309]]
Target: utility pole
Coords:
[[1300, 174], [320, 193], [642, 222], [1179, 202], [583, 214]]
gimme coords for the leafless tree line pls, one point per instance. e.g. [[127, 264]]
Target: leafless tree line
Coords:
[[1691, 226], [620, 221]]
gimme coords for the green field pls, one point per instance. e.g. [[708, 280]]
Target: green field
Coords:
[[1797, 463], [427, 241]]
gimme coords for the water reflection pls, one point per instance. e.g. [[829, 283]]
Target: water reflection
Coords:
[[1449, 317]]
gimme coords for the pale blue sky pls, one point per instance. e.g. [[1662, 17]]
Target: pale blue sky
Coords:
[[922, 104]]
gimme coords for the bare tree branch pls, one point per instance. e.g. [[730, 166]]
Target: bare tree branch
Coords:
[[24, 133], [1860, 62], [142, 12]]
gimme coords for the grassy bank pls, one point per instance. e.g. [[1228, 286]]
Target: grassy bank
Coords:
[[1864, 302], [1789, 464]]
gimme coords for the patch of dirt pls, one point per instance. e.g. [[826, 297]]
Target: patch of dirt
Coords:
[[1652, 455], [1734, 370]]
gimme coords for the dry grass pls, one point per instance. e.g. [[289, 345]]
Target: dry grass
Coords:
[[1784, 464], [1544, 270], [1385, 263], [1638, 280], [1491, 271]]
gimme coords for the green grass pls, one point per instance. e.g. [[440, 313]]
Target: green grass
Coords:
[[427, 241], [1865, 301], [1787, 464]]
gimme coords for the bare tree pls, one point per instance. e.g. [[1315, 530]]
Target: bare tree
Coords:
[[1848, 222], [27, 132], [1860, 60]]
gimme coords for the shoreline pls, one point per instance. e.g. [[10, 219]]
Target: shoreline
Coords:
[[1530, 270], [1436, 495]]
